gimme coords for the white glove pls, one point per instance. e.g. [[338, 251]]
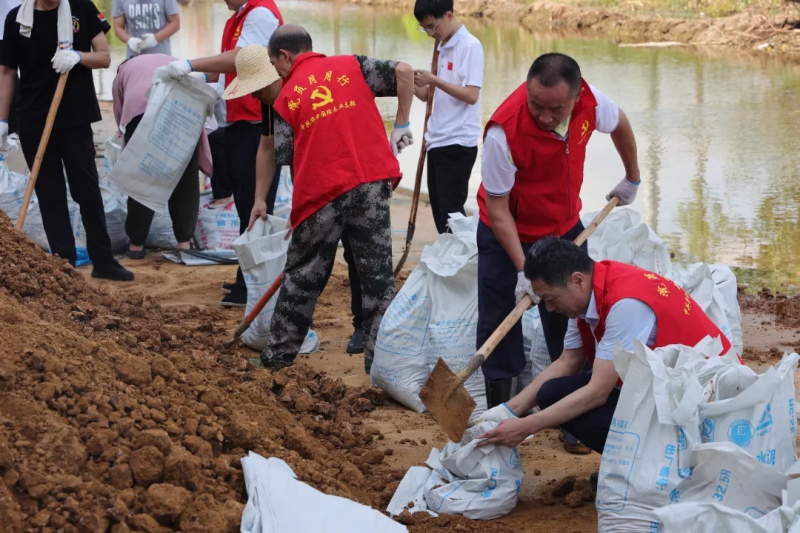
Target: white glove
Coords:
[[487, 421], [625, 191], [148, 41], [202, 76], [4, 145], [179, 69], [65, 60], [134, 43], [401, 138], [523, 288]]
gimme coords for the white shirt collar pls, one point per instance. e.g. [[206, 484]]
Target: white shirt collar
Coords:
[[457, 36], [591, 311]]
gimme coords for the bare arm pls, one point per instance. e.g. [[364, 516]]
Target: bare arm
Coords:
[[6, 90], [468, 94], [421, 93], [224, 62], [120, 29], [173, 25], [505, 228], [625, 143], [265, 172], [404, 75], [99, 57]]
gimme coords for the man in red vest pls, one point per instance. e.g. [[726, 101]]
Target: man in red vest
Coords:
[[606, 302], [329, 127], [532, 171], [253, 22]]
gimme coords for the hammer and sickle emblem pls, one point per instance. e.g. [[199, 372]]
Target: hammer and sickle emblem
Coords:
[[585, 128], [323, 94]]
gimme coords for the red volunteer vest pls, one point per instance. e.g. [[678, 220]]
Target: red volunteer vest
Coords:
[[339, 138], [246, 107], [545, 199], [679, 319]]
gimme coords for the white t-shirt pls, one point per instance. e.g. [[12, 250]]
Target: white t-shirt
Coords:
[[5, 7], [258, 27], [453, 121], [498, 172], [627, 319]]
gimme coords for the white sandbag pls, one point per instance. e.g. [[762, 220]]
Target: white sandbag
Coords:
[[34, 227], [277, 502], [12, 189], [478, 483], [161, 235], [283, 197], [434, 316], [112, 148], [116, 210], [724, 474], [262, 255], [623, 237], [154, 159], [537, 358], [647, 453], [760, 419], [706, 517], [216, 229], [409, 495]]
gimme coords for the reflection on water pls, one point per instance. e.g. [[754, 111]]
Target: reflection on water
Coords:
[[717, 144]]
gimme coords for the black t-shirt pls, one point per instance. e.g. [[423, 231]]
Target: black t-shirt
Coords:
[[38, 80]]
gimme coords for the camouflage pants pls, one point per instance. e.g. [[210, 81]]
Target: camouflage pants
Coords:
[[363, 215]]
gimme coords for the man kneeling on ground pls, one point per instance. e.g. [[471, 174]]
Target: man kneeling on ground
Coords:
[[607, 302]]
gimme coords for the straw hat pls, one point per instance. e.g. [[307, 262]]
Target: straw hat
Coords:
[[253, 72]]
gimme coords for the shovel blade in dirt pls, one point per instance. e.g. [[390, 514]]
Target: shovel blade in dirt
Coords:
[[449, 403]]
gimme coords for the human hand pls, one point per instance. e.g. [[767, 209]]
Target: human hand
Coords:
[[179, 69], [423, 78], [148, 41], [134, 43], [259, 211], [625, 191], [401, 137], [509, 433], [524, 287], [65, 60]]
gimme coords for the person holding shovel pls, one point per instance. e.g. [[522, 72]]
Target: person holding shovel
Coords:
[[455, 123], [330, 129], [45, 39], [532, 172], [606, 303]]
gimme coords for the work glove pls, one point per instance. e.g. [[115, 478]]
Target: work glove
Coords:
[[179, 69], [523, 288], [134, 43], [148, 41], [401, 137], [489, 420], [625, 191], [65, 60]]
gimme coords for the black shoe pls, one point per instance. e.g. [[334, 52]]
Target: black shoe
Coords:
[[274, 363], [573, 445], [356, 344], [113, 271], [236, 298], [497, 391], [593, 478], [228, 287], [136, 254]]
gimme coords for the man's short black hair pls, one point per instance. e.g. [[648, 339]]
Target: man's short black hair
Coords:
[[432, 8], [553, 68], [553, 261], [292, 38]]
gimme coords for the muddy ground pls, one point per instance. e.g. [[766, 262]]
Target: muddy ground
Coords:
[[758, 32]]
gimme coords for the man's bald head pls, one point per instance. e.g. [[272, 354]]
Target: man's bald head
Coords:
[[290, 38]]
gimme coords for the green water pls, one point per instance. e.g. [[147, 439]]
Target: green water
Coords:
[[717, 137]]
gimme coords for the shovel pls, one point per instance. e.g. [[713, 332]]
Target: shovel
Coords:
[[248, 319], [444, 394]]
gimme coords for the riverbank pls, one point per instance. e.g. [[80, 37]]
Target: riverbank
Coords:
[[773, 30]]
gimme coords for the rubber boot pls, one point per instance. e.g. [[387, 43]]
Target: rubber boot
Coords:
[[498, 391]]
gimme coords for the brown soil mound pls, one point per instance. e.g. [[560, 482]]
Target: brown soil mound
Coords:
[[118, 415]]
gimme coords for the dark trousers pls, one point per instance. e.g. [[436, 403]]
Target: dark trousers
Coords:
[[241, 147], [355, 284], [74, 149], [449, 169], [591, 428], [220, 180], [497, 279], [183, 204]]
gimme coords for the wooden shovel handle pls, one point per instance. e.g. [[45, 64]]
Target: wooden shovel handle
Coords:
[[502, 330], [37, 162]]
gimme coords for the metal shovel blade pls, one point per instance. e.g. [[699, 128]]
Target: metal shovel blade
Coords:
[[451, 410]]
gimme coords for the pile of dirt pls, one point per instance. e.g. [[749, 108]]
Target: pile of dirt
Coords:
[[118, 415], [785, 308]]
